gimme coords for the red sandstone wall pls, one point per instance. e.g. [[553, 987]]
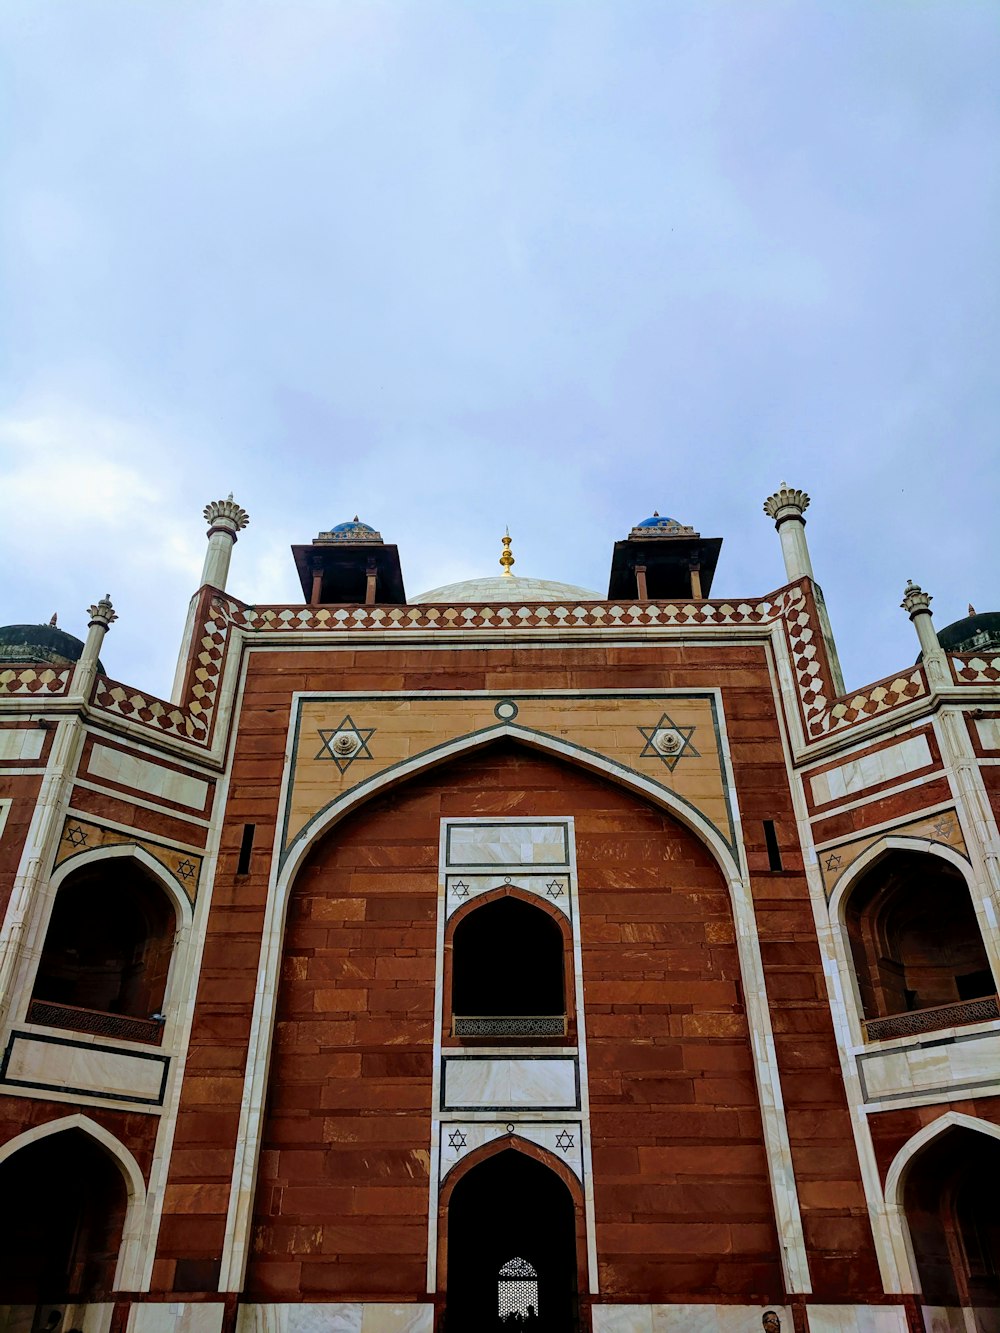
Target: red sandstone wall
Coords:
[[706, 1117]]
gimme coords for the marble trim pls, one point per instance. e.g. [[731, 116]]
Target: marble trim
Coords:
[[463, 889], [336, 1317], [117, 1055], [458, 1138], [5, 805]]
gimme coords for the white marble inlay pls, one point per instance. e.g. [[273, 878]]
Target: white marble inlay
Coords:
[[869, 769], [562, 1138], [21, 744], [552, 886], [917, 1069], [4, 812], [507, 844], [83, 1068], [989, 736], [336, 1317], [622, 1318], [176, 1317], [857, 1319], [494, 1082], [715, 1318], [154, 779]]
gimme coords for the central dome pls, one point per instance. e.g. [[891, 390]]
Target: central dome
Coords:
[[503, 589]]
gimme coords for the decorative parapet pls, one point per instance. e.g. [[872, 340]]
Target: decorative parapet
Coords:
[[932, 1020], [975, 669], [35, 680], [111, 696]]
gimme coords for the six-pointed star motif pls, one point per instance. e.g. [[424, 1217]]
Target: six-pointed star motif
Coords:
[[461, 889], [185, 868], [554, 888], [943, 827], [833, 861], [456, 1139], [76, 836], [334, 738], [564, 1140], [684, 745]]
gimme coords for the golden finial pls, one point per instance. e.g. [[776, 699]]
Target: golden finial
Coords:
[[506, 559]]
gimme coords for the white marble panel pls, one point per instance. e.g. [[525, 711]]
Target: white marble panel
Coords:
[[503, 844], [622, 1318], [857, 1319], [944, 1319], [154, 779], [176, 1317], [989, 736], [21, 744], [4, 812], [495, 1083], [379, 1318], [83, 1068], [967, 1062], [552, 886], [336, 1317], [562, 1138], [870, 769]]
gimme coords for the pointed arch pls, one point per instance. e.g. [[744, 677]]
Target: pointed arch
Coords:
[[877, 852], [682, 810], [507, 1143], [124, 1161], [133, 852], [286, 864], [895, 1186]]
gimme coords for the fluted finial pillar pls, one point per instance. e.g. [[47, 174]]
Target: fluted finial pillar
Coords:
[[225, 519], [917, 605], [787, 507], [102, 616]]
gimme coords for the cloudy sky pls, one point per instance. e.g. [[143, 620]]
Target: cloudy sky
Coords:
[[455, 265]]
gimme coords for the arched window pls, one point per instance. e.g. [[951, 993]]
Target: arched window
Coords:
[[70, 1208], [508, 977], [517, 1291], [917, 947], [107, 953]]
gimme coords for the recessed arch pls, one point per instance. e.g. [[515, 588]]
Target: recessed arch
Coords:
[[284, 872], [912, 939], [123, 1161], [877, 852], [929, 1142], [485, 1221]]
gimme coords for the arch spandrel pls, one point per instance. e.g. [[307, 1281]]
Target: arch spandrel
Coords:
[[670, 743]]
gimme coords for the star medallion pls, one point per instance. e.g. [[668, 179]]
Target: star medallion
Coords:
[[345, 743], [667, 742]]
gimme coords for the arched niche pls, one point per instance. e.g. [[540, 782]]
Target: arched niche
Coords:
[[108, 948], [80, 1195], [915, 942], [941, 1191], [512, 1226]]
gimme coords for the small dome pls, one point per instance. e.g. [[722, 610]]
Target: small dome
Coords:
[[40, 643], [354, 528], [503, 591], [657, 522], [972, 633]]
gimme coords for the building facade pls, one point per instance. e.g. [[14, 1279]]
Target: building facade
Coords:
[[511, 957]]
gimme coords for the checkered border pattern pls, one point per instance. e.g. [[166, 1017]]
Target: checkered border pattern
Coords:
[[31, 680], [822, 713]]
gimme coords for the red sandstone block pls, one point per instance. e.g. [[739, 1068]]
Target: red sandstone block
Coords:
[[832, 1194], [664, 1238], [375, 1238], [196, 1198], [329, 1000], [705, 1160]]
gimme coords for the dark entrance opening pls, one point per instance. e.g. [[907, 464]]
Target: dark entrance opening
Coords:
[[66, 1201], [951, 1207], [508, 959], [512, 1262]]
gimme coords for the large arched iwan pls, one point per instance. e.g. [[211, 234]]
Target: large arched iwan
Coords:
[[343, 1186]]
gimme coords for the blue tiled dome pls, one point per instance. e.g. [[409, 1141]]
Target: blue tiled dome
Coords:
[[657, 522], [354, 526]]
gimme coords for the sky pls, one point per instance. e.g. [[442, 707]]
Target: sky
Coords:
[[454, 265]]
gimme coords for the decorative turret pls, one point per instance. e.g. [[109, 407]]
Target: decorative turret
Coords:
[[787, 507], [102, 617], [917, 605], [663, 559], [226, 519], [349, 564]]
